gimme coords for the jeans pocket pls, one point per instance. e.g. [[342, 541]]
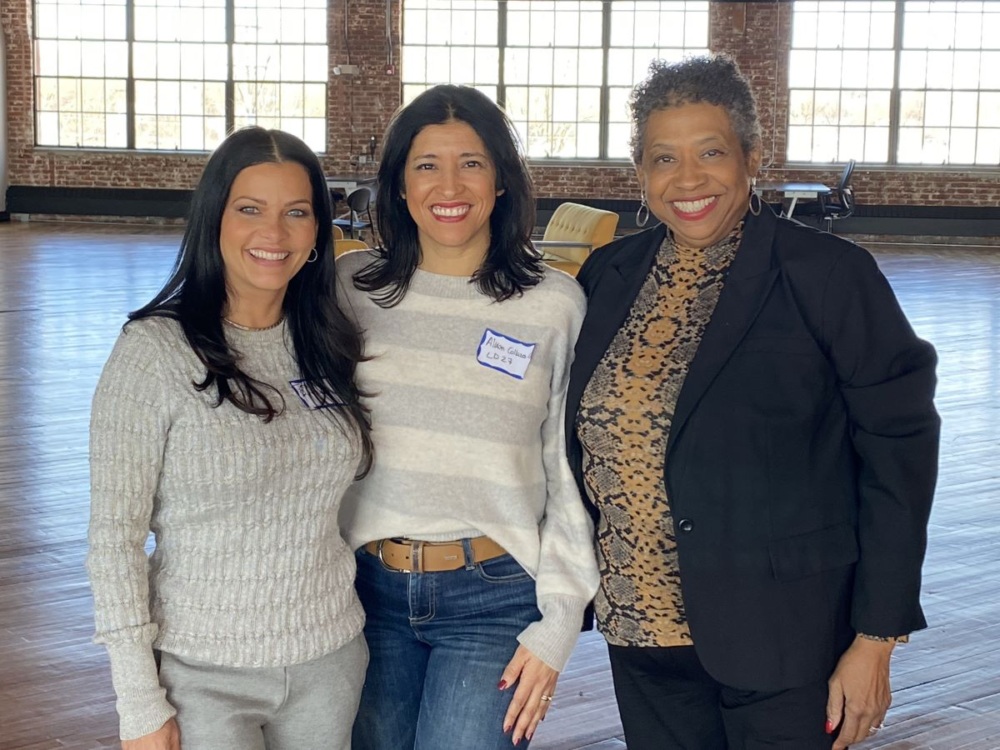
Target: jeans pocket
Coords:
[[502, 569]]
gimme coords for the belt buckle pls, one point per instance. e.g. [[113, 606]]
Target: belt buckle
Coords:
[[386, 565]]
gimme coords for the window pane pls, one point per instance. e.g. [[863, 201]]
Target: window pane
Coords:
[[47, 128], [876, 145], [938, 110], [878, 108], [881, 65], [913, 69], [964, 106], [989, 110], [852, 143], [799, 143], [911, 110], [618, 141], [800, 107], [853, 105], [988, 146]]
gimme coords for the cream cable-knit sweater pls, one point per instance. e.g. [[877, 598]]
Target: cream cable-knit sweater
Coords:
[[466, 447], [249, 569]]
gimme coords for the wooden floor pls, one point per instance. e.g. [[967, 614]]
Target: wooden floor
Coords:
[[64, 291]]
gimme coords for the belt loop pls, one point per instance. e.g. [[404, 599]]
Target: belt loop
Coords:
[[470, 556], [417, 556]]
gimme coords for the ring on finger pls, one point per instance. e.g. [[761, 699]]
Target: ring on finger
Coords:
[[547, 698]]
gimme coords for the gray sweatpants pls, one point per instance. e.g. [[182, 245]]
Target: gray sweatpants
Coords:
[[309, 706]]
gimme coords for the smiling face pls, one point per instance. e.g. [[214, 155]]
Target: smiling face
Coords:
[[449, 184], [268, 232], [694, 173]]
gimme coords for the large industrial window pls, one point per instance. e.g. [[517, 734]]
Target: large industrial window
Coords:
[[178, 74], [896, 82], [562, 69]]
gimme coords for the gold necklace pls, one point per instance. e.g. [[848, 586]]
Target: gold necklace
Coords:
[[241, 327]]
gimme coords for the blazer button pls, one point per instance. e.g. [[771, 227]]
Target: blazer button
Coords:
[[685, 525]]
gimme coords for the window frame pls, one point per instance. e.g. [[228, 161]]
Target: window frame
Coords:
[[897, 93], [48, 75]]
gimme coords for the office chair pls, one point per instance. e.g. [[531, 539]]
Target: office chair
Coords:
[[358, 202], [574, 230], [839, 204]]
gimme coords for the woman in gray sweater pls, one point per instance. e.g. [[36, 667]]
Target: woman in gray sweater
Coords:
[[227, 423]]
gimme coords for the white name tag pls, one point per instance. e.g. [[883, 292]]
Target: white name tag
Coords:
[[306, 397], [505, 354]]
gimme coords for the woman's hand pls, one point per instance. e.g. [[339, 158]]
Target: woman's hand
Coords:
[[167, 737], [536, 684], [859, 692]]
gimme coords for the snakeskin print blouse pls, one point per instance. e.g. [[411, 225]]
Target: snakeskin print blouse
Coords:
[[624, 422]]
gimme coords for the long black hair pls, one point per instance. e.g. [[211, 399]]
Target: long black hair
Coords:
[[511, 264], [327, 346]]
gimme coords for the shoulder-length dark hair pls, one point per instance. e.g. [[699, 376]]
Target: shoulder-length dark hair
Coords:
[[327, 346], [511, 265]]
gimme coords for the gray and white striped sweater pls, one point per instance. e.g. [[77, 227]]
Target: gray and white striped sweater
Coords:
[[467, 411]]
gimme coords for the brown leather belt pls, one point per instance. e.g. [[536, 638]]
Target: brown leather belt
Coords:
[[413, 556]]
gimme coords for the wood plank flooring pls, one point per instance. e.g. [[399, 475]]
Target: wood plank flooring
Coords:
[[64, 292]]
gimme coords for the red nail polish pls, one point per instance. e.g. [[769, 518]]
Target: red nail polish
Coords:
[[502, 685], [829, 727]]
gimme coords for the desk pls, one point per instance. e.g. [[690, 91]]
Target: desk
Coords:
[[794, 190]]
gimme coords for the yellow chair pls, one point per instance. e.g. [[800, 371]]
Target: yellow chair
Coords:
[[338, 233], [342, 246], [575, 230]]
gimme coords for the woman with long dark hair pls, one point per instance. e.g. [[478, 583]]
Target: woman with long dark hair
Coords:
[[475, 560], [228, 423]]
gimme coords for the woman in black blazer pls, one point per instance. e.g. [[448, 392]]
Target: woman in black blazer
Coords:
[[751, 417]]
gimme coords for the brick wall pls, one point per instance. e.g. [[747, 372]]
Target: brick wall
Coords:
[[756, 34]]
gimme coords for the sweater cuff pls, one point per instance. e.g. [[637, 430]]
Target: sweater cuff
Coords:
[[553, 637], [142, 702]]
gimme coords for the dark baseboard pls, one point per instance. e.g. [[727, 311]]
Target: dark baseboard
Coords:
[[61, 201]]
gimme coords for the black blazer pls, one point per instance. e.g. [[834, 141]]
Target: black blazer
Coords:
[[802, 455]]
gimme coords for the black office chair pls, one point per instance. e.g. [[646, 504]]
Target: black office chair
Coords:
[[839, 204], [358, 202]]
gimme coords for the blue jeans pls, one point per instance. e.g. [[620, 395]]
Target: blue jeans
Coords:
[[438, 644]]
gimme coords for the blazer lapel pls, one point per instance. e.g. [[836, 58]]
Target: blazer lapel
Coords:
[[747, 284], [608, 304]]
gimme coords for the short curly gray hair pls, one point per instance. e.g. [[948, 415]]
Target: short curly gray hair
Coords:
[[712, 79]]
